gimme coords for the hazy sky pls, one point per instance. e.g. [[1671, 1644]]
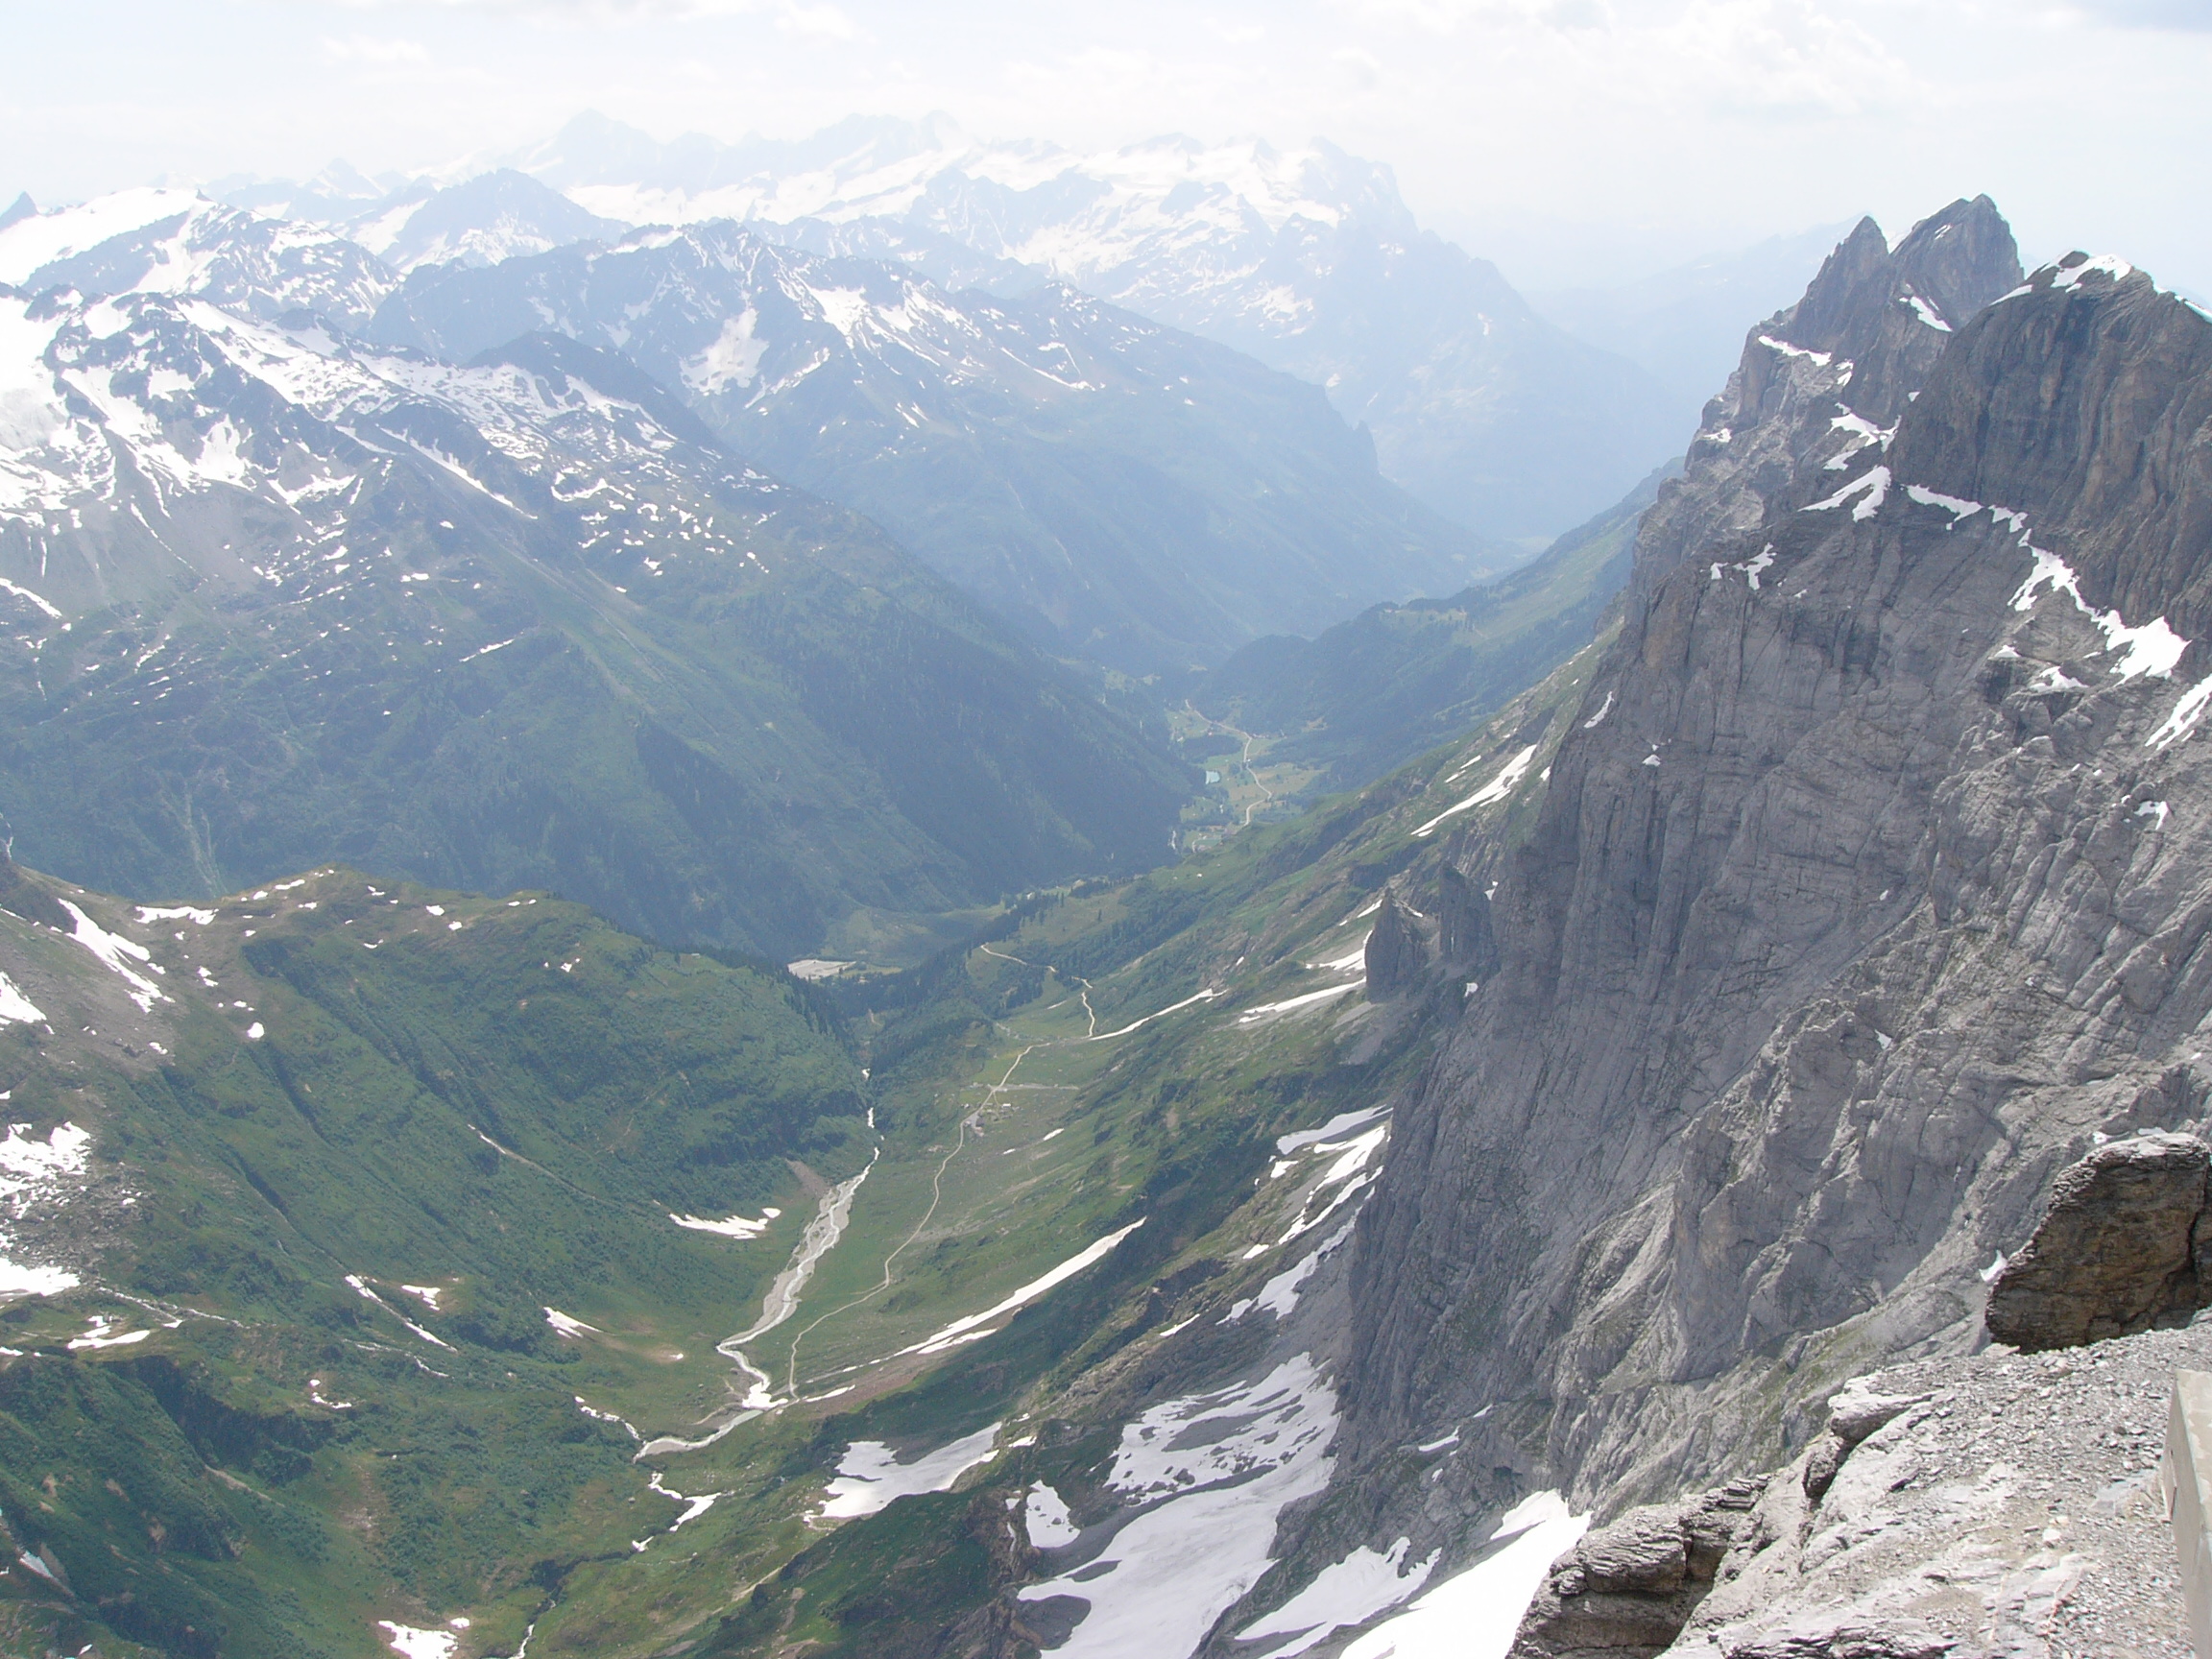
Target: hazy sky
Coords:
[[1677, 125]]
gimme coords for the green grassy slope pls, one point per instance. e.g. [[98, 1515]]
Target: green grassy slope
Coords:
[[348, 1089], [481, 1109], [1371, 693]]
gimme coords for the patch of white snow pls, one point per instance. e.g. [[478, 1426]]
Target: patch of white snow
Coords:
[[869, 1475], [959, 1329], [1496, 789], [1343, 1594], [1046, 1519], [1476, 1614]]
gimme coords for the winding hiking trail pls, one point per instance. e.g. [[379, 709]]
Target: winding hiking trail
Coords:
[[833, 1215]]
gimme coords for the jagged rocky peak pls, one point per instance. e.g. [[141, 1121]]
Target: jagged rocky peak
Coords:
[[1877, 897], [1822, 384], [1952, 264], [2081, 402]]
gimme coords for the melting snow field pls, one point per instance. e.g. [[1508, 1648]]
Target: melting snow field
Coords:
[[730, 1226], [869, 1476], [960, 1330], [1226, 1463], [33, 1171], [115, 954], [1329, 1131], [418, 1644], [1044, 1518], [1496, 789], [1253, 1015], [1343, 1596], [1474, 1614], [15, 1008]]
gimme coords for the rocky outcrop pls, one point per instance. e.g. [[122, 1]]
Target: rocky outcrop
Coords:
[[1853, 1415], [1873, 885], [28, 899], [1828, 378], [2118, 1251], [1465, 936], [1397, 949], [1626, 1591], [1847, 1636]]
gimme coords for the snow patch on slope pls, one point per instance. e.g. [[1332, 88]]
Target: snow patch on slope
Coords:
[[1343, 1594], [1476, 1614], [115, 954], [1225, 1462], [960, 1330], [35, 1172], [869, 1475]]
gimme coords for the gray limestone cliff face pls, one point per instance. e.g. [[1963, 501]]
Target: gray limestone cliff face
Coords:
[[1884, 888], [1395, 949]]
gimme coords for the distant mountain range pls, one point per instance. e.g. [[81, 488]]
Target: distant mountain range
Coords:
[[1307, 260], [1119, 490], [272, 596], [1685, 324]]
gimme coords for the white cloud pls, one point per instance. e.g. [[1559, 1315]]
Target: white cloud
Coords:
[[373, 51], [1363, 68], [817, 22], [1699, 124], [2148, 14], [567, 11]]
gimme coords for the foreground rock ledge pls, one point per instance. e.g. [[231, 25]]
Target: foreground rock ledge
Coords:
[[2005, 1504]]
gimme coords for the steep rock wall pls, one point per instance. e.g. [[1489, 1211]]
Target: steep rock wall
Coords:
[[1879, 892]]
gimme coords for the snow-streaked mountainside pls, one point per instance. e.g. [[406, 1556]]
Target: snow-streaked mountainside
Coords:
[[268, 590], [1117, 487], [481, 221], [1305, 258], [1286, 1252], [161, 241]]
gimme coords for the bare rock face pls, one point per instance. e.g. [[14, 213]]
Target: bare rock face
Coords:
[[2117, 1250], [1397, 949], [1856, 346], [1466, 938], [2011, 1509], [1627, 1590], [1847, 1636]]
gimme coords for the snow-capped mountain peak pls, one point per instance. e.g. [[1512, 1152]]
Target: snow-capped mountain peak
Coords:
[[166, 241], [42, 239]]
